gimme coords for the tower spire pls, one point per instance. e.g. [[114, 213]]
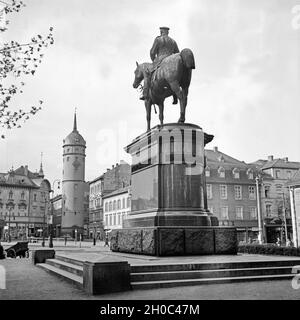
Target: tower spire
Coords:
[[75, 121], [41, 172]]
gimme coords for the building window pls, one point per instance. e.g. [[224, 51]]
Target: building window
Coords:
[[10, 195], [110, 219], [236, 173], [239, 213], [252, 195], [238, 192], [119, 218], [223, 191], [110, 206], [114, 205], [68, 158], [207, 172], [114, 221], [34, 197], [106, 207], [209, 191], [123, 203], [106, 220], [267, 191], [253, 213], [119, 204], [289, 174], [268, 209], [221, 172], [277, 174], [224, 213], [22, 195]]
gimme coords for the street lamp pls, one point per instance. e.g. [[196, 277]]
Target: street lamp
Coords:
[[284, 216], [10, 207], [260, 230], [51, 221], [44, 222]]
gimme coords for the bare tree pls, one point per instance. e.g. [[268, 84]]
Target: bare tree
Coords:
[[17, 62]]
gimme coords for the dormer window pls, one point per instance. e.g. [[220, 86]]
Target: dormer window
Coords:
[[207, 172], [250, 173], [236, 173], [221, 172]]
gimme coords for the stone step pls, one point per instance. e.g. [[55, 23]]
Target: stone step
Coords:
[[65, 275], [67, 266], [192, 282], [201, 274], [68, 260], [211, 266]]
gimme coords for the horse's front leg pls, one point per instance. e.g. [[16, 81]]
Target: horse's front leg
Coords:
[[148, 112], [161, 113]]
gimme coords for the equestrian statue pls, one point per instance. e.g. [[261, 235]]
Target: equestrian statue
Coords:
[[169, 74]]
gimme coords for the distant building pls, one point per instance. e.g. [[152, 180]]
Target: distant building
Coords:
[[73, 183], [275, 198], [116, 206], [117, 177], [231, 193], [24, 198], [294, 189]]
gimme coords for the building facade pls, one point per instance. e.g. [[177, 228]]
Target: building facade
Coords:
[[231, 193], [24, 198], [73, 184], [116, 206], [116, 177], [275, 197]]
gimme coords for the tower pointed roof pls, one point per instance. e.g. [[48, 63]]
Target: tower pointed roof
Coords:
[[74, 138], [75, 122]]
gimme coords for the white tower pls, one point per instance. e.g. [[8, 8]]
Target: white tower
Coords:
[[73, 183]]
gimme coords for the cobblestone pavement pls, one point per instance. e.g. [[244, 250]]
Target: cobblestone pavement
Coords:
[[25, 281]]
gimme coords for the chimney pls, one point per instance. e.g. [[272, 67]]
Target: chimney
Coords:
[[270, 158], [286, 159], [113, 166], [216, 149]]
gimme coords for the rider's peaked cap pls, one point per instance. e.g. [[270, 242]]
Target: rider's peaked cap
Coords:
[[164, 28]]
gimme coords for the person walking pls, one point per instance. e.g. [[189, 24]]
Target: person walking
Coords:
[[106, 242]]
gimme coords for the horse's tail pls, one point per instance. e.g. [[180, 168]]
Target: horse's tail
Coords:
[[188, 58]]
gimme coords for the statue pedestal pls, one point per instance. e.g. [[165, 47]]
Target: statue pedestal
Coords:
[[169, 213]]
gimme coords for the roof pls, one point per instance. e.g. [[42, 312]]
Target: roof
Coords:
[[277, 163], [97, 179], [118, 191], [295, 180], [74, 138], [217, 159]]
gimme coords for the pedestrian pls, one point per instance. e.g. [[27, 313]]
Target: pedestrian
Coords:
[[66, 240], [106, 243]]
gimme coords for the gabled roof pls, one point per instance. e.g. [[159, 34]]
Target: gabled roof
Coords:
[[217, 158], [118, 191], [277, 163], [295, 180]]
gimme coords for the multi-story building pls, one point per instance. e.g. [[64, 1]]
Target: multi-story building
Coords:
[[274, 193], [231, 193], [113, 179], [24, 198], [116, 206]]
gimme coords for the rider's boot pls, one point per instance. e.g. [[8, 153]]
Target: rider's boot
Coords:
[[175, 99]]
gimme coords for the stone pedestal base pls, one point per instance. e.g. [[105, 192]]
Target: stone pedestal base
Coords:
[[175, 241]]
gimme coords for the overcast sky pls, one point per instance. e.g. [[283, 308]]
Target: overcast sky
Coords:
[[244, 90]]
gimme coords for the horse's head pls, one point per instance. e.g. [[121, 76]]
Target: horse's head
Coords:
[[138, 75]]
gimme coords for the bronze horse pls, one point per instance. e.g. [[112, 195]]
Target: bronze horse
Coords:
[[172, 77]]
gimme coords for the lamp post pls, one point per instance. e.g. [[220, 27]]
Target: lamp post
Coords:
[[43, 242], [51, 221], [260, 230], [9, 214], [284, 216]]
